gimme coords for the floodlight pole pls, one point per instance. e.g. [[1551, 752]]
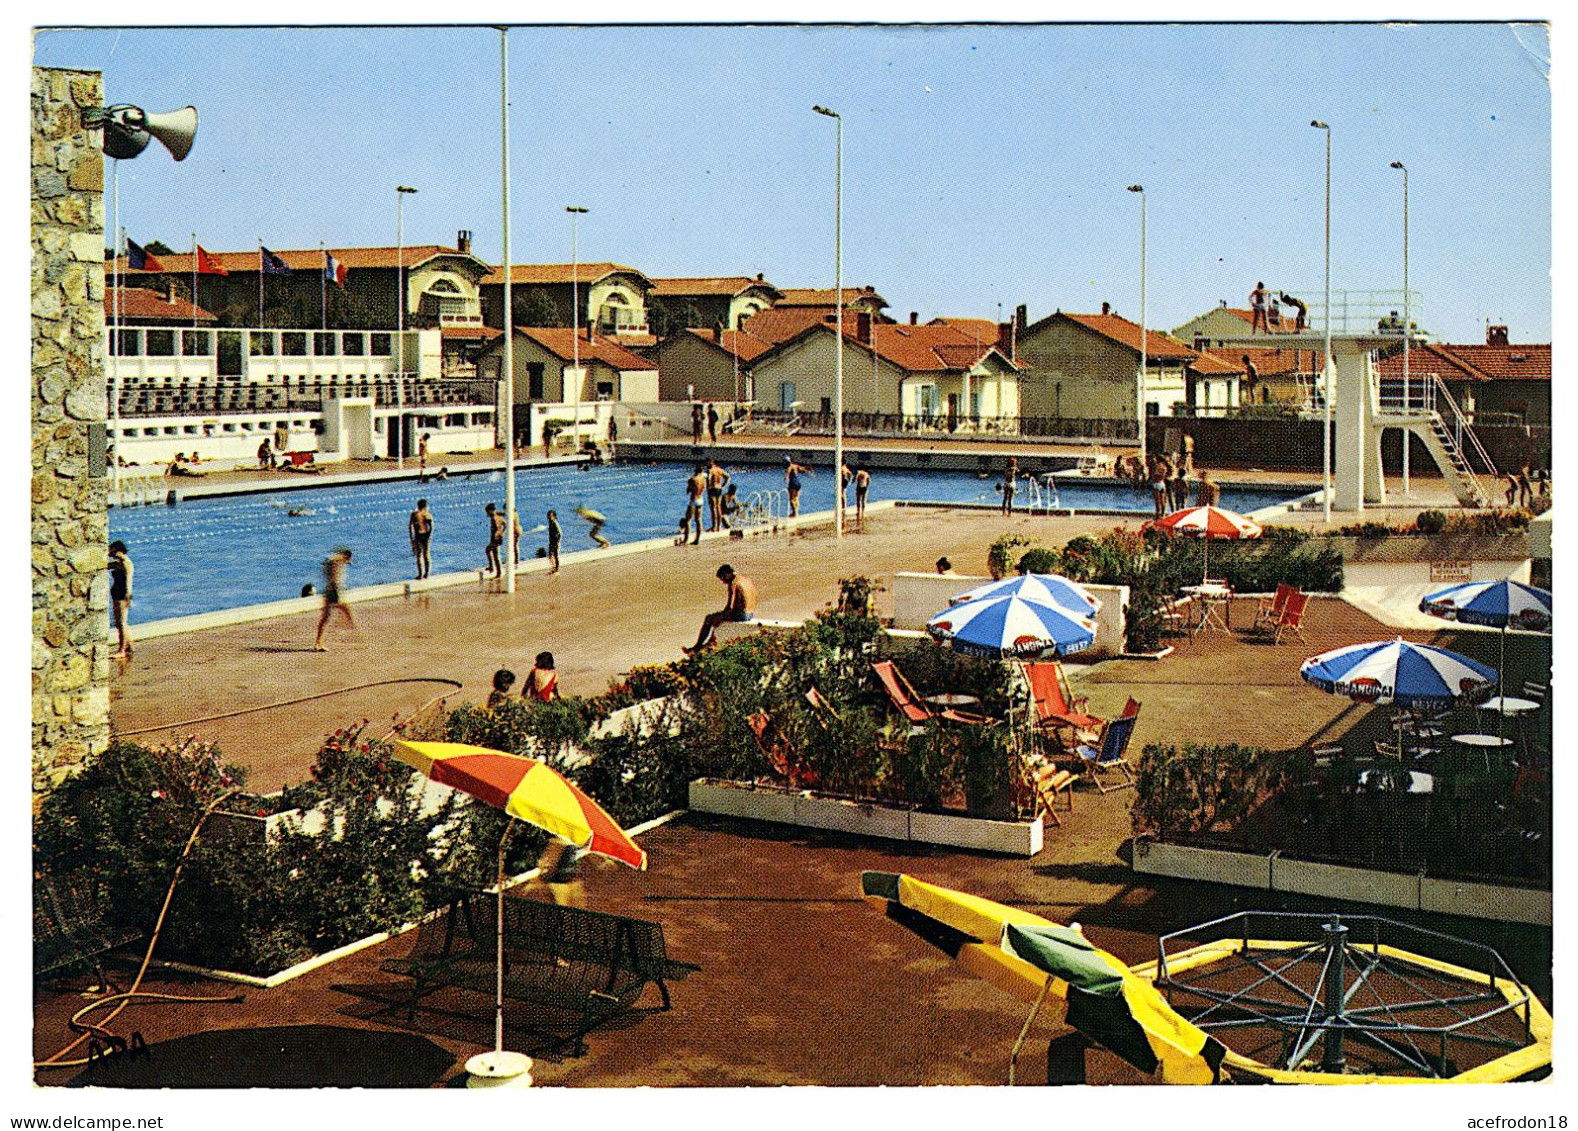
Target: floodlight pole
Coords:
[[576, 212], [1139, 391], [1408, 332], [401, 192], [509, 337], [1329, 371], [838, 323]]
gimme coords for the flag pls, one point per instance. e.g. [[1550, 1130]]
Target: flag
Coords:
[[207, 264], [333, 270], [272, 264], [139, 260]]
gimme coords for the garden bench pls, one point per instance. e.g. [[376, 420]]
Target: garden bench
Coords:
[[71, 926], [588, 965]]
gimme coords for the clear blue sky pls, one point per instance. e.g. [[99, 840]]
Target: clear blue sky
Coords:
[[983, 165]]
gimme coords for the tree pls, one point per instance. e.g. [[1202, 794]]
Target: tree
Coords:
[[533, 307], [159, 247]]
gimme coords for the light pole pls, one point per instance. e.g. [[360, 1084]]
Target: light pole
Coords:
[[509, 354], [1407, 327], [401, 192], [576, 212], [1329, 370], [838, 325], [1139, 385]]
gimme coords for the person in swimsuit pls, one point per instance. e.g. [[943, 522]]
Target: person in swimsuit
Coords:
[[555, 536], [543, 682], [503, 680], [420, 527], [862, 485], [1010, 480], [495, 539], [712, 422], [421, 454], [792, 473], [716, 478], [739, 604], [597, 521], [695, 491], [729, 506], [120, 568], [333, 578], [1160, 469]]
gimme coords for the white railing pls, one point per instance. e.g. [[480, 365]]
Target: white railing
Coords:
[[1461, 429], [1353, 311], [764, 511]]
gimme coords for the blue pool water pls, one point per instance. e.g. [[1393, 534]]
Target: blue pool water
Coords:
[[209, 554]]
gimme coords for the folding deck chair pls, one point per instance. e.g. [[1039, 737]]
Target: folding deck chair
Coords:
[[1111, 754], [1056, 710], [915, 709]]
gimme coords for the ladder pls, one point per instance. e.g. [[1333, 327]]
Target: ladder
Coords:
[[1449, 456]]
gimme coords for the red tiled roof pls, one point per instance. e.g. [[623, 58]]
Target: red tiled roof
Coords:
[[528, 274], [311, 259], [1477, 362], [779, 323], [981, 329], [934, 348], [747, 346], [560, 341], [827, 296], [728, 285], [1430, 357], [140, 302], [1119, 329], [1280, 361], [1213, 366]]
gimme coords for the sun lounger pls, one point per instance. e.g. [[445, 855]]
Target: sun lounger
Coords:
[[1044, 782], [1111, 753], [1270, 610], [1057, 710], [915, 709], [778, 754]]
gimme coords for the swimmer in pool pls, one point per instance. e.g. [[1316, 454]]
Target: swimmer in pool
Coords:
[[597, 520]]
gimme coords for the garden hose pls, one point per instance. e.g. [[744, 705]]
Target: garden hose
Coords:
[[454, 683], [87, 1030], [122, 1000]]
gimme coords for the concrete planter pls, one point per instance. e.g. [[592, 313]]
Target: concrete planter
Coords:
[[835, 814], [1428, 547], [1276, 872]]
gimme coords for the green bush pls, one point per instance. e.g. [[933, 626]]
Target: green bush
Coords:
[[1201, 787], [1039, 559], [1430, 522]]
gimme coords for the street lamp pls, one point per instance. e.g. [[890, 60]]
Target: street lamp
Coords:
[[509, 373], [1330, 371], [1139, 385], [838, 326], [576, 212], [1407, 326], [401, 192]]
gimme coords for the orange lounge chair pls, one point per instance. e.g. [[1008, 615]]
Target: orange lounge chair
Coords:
[[778, 755], [1269, 611], [915, 709], [1055, 708], [1291, 617]]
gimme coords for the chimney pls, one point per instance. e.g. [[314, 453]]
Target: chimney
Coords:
[[463, 241], [717, 332], [863, 328], [1106, 308], [169, 293], [1495, 335], [759, 277], [914, 317], [1021, 318]]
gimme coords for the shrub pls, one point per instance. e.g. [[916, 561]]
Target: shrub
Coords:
[[1039, 559], [998, 553], [1430, 522], [1192, 791]]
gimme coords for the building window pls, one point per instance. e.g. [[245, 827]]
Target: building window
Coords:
[[351, 345], [323, 344], [605, 390], [534, 372], [293, 343], [380, 344], [159, 343]]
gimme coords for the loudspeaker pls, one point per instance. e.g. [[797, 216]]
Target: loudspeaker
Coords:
[[175, 130], [128, 128]]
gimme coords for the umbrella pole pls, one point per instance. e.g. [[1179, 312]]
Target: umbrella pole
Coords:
[[498, 965]]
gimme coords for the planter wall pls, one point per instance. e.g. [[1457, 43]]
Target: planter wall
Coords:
[[807, 810], [1276, 872], [1428, 548]]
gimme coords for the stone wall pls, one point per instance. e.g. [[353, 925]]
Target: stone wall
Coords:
[[70, 588]]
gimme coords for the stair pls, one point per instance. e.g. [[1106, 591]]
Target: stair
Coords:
[[1454, 466]]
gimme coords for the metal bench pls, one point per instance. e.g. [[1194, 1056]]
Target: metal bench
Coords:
[[588, 966], [73, 926]]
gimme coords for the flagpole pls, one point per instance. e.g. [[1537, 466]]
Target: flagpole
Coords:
[[323, 284], [509, 323], [260, 285], [194, 283], [115, 307]]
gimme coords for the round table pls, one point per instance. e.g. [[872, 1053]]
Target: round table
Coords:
[[1509, 705], [1418, 782], [952, 699], [1214, 601], [1481, 740]]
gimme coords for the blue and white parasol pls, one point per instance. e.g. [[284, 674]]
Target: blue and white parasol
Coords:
[[1395, 671], [1012, 627], [1495, 604], [1045, 588]]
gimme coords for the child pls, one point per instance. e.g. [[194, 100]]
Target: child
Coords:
[[729, 507], [503, 680], [543, 682]]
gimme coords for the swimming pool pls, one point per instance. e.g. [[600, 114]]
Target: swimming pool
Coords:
[[219, 553]]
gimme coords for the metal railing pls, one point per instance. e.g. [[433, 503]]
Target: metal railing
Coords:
[[209, 399], [1353, 311], [878, 424], [1461, 429]]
